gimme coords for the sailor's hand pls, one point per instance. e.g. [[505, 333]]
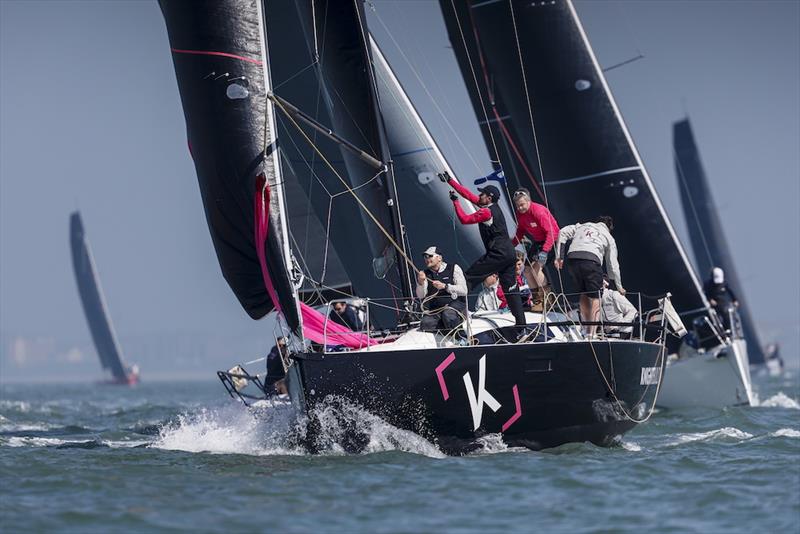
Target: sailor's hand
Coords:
[[621, 290], [421, 277], [439, 284], [712, 302], [444, 176], [541, 258], [559, 263], [736, 303], [453, 196]]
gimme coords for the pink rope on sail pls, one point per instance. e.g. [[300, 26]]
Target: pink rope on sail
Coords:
[[316, 327]]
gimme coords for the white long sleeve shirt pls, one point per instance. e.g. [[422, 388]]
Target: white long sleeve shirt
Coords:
[[595, 239], [615, 308], [457, 289]]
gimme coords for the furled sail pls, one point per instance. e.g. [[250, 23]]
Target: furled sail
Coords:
[[94, 304], [548, 116], [705, 229], [220, 58]]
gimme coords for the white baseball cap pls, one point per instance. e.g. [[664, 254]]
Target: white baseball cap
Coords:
[[431, 251]]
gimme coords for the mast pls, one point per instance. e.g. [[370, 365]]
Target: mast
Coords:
[[273, 170]]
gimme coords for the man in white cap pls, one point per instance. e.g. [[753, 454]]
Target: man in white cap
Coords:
[[443, 290], [720, 296]]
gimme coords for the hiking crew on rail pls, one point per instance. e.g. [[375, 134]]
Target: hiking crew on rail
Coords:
[[500, 256]]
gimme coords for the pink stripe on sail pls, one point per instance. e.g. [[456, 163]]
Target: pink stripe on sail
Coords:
[[214, 53], [314, 323]]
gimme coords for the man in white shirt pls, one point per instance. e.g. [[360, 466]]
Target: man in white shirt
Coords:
[[615, 308], [488, 299], [592, 246], [443, 290]]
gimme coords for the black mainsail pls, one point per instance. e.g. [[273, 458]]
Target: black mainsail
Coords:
[[548, 116], [94, 304], [705, 228]]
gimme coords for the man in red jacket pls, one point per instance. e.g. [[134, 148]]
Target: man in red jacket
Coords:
[[500, 255], [535, 222]]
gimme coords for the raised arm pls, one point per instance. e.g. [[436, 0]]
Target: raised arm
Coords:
[[463, 191], [479, 216]]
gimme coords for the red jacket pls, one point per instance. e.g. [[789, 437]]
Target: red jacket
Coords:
[[539, 224]]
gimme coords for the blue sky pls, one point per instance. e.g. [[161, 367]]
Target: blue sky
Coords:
[[90, 118]]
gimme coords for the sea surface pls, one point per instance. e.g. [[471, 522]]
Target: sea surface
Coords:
[[177, 457]]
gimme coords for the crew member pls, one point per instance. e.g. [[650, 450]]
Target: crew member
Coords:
[[537, 224], [616, 308], [443, 291], [592, 244], [491, 297], [345, 315], [720, 296], [500, 256], [276, 372]]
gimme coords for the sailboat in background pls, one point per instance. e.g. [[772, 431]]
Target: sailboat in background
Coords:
[[95, 309], [276, 92], [548, 116], [707, 236]]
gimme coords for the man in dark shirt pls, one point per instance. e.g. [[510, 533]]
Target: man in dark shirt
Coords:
[[500, 256], [345, 315], [720, 296], [275, 370]]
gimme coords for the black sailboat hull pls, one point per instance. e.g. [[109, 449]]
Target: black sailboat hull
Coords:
[[544, 395]]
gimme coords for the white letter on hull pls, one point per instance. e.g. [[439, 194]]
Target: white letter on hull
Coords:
[[476, 404]]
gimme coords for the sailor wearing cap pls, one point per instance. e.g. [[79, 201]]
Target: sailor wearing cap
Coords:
[[500, 257], [443, 291]]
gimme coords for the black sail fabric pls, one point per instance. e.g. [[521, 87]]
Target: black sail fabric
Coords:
[[94, 306], [705, 229], [218, 49], [429, 217], [570, 144], [336, 90]]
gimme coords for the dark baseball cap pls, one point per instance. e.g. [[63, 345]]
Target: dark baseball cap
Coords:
[[492, 191]]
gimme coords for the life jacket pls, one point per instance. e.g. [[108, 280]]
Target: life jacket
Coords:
[[439, 298], [494, 232]]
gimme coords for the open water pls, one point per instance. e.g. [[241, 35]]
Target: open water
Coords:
[[176, 457]]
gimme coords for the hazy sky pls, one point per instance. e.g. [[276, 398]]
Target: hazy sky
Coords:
[[90, 118]]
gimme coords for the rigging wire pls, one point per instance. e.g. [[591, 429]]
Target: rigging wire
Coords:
[[349, 189]]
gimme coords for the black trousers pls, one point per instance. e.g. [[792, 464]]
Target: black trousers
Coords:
[[504, 264], [446, 319]]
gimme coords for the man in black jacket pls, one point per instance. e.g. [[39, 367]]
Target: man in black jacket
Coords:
[[500, 257]]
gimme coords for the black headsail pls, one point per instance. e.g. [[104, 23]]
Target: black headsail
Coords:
[[548, 116], [705, 229], [322, 67], [219, 52], [94, 305]]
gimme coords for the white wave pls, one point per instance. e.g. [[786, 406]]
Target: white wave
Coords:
[[726, 433], [19, 406], [780, 400], [276, 430], [228, 430], [10, 426], [786, 433], [17, 441], [631, 446]]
